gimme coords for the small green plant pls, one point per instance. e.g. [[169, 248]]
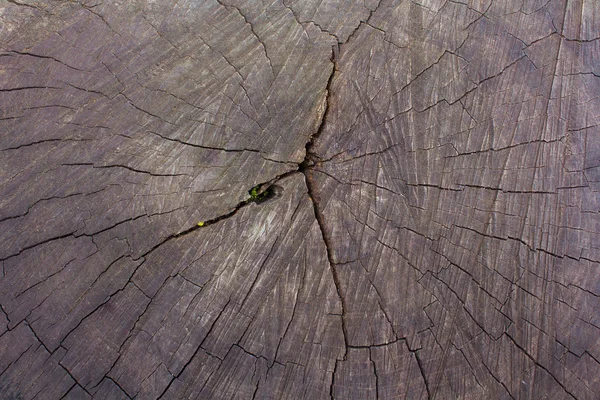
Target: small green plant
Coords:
[[258, 196], [254, 193], [201, 223]]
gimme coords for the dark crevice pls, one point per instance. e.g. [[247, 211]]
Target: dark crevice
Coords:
[[37, 337], [109, 297], [28, 88], [306, 168], [139, 171], [210, 330], [374, 373], [536, 363], [64, 396], [45, 141], [259, 273], [16, 359], [61, 269], [90, 9], [425, 381], [303, 23], [498, 380], [208, 147], [310, 158], [256, 390], [42, 56], [252, 29], [74, 379], [142, 110], [331, 387], [250, 353], [7, 318], [117, 385], [39, 201], [367, 21], [37, 244], [328, 247], [132, 331], [17, 3], [378, 345], [258, 194]]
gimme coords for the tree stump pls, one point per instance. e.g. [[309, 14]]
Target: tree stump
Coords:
[[227, 199]]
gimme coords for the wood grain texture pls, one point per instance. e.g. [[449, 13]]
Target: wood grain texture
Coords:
[[300, 199]]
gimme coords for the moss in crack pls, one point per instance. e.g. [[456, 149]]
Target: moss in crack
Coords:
[[259, 195]]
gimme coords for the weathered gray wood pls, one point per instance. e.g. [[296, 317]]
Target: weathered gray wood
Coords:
[[424, 221], [453, 178]]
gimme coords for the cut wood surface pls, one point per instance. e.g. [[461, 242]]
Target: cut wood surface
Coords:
[[300, 199]]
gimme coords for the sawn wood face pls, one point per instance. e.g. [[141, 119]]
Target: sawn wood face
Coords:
[[300, 199]]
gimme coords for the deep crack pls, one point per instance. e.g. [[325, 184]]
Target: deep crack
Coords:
[[258, 194], [306, 167]]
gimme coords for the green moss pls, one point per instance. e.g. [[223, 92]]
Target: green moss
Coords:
[[257, 196], [254, 193]]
